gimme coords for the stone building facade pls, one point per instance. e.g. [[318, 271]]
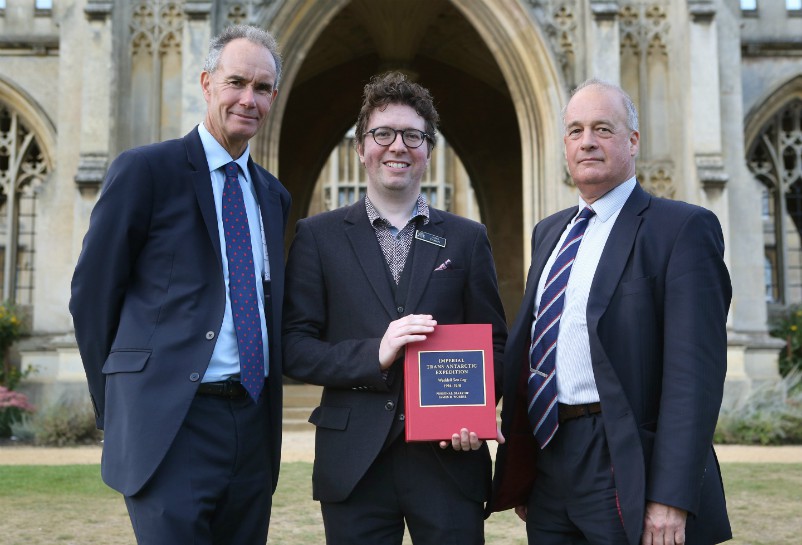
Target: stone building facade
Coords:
[[718, 84]]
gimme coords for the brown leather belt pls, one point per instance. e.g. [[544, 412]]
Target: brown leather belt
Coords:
[[229, 389], [569, 412]]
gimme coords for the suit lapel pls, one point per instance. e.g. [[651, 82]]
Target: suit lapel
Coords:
[[615, 255], [424, 259], [543, 249], [201, 180], [366, 248], [543, 246]]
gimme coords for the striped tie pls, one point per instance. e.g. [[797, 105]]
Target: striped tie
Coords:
[[242, 285], [542, 385]]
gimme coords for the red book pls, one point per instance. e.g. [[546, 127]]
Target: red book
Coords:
[[449, 383]]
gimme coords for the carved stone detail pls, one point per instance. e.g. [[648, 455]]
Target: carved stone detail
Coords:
[[559, 21], [711, 172], [702, 11], [644, 27], [197, 10], [657, 178], [21, 160], [157, 25], [248, 12], [91, 171], [237, 14], [98, 10], [604, 10]]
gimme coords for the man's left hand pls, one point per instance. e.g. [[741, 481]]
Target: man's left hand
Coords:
[[467, 440], [663, 525]]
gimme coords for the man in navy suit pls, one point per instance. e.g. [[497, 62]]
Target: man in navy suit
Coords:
[[194, 450], [641, 351], [362, 282]]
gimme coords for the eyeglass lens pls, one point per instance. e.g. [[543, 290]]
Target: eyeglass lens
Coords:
[[385, 136]]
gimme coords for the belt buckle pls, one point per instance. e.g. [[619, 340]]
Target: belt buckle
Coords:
[[234, 389]]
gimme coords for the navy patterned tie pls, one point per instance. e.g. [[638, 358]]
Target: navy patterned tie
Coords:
[[242, 285], [542, 385]]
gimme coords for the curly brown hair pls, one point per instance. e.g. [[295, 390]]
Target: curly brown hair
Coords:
[[395, 88]]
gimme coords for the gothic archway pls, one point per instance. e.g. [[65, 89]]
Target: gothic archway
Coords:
[[493, 79]]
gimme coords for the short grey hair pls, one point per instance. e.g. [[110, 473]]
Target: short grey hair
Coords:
[[629, 106], [252, 34]]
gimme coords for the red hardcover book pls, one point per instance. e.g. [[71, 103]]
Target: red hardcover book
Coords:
[[449, 383]]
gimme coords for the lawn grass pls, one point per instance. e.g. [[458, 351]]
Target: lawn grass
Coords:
[[70, 505]]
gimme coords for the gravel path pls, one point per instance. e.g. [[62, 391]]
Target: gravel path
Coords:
[[298, 446]]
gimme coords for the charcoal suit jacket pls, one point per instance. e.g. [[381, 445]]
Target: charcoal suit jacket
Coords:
[[339, 303], [656, 320], [148, 298]]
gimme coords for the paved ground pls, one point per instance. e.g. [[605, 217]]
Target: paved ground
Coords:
[[299, 446]]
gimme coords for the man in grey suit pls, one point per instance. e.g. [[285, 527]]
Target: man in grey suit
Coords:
[[362, 282], [191, 408]]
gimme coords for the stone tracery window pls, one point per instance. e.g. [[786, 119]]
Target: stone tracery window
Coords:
[[775, 158], [23, 170]]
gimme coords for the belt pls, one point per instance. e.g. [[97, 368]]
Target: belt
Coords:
[[569, 412], [229, 389]]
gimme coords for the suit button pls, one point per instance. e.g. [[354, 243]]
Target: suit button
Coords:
[[389, 406], [401, 417], [194, 377], [400, 310], [209, 335]]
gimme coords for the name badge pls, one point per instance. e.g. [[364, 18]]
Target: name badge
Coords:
[[430, 238]]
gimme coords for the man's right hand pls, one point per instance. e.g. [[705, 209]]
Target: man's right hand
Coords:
[[409, 329]]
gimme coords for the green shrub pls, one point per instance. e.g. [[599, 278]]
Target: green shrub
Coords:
[[67, 422], [11, 329], [788, 327], [771, 415], [22, 430]]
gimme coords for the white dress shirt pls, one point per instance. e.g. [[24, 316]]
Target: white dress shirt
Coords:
[[575, 382]]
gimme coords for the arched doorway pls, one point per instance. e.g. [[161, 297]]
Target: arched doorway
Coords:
[[494, 84]]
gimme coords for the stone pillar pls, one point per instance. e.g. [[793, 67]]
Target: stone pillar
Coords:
[[195, 41], [96, 106], [604, 42], [752, 353], [706, 109]]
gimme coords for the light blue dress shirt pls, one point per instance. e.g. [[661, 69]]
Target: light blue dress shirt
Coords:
[[225, 358]]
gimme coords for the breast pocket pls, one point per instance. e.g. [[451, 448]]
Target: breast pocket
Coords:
[[448, 273], [637, 285]]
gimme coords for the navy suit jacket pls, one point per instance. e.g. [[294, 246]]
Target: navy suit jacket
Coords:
[[339, 303], [656, 319], [148, 298]]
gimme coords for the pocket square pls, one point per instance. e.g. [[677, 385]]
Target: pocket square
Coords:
[[444, 265]]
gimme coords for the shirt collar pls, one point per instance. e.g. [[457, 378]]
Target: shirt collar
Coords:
[[421, 209], [612, 201], [216, 154]]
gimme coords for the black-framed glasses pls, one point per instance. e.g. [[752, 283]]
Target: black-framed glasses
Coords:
[[385, 136]]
